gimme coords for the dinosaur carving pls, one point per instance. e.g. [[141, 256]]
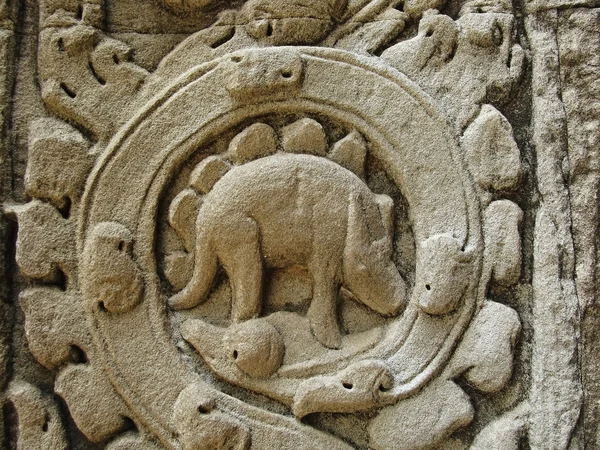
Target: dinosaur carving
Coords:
[[287, 209]]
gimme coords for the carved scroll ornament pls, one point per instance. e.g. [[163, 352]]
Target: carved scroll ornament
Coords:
[[274, 211]]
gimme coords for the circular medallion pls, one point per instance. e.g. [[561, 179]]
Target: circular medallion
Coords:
[[243, 170]]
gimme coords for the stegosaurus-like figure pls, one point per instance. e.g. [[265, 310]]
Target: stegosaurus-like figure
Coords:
[[296, 207]]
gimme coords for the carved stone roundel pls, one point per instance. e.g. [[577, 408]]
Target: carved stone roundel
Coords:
[[384, 112]]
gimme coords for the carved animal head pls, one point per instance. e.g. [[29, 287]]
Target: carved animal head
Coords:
[[112, 278], [368, 270], [256, 347], [356, 388], [281, 22], [201, 425], [480, 44], [443, 274]]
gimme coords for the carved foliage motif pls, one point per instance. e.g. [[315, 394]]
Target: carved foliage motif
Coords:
[[237, 163]]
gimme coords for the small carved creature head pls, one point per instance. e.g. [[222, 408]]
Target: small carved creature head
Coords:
[[256, 347], [296, 22]]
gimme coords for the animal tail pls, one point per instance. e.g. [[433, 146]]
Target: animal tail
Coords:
[[205, 270]]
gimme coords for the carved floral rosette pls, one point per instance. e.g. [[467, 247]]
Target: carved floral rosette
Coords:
[[131, 159]]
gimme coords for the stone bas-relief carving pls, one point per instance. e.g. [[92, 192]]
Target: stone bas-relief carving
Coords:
[[309, 225], [334, 226]]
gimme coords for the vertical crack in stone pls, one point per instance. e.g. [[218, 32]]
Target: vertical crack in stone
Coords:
[[578, 51], [556, 393]]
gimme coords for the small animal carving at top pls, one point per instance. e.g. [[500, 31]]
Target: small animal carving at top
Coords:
[[279, 22], [266, 208]]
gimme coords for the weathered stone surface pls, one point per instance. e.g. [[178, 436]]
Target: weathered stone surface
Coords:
[[419, 426], [80, 384], [556, 394], [317, 224], [580, 94], [40, 424], [534, 6]]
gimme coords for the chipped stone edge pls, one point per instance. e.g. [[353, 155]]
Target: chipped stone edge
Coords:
[[556, 394], [536, 6]]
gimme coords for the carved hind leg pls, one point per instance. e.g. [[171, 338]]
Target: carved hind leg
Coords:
[[244, 266], [205, 269], [325, 267], [322, 313]]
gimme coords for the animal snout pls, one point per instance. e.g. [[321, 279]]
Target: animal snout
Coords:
[[393, 302], [267, 72]]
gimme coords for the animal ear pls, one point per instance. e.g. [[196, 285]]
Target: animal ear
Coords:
[[386, 210]]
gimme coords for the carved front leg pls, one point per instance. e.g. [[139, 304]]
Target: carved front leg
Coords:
[[322, 313], [244, 266]]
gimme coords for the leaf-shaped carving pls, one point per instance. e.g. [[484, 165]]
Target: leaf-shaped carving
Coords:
[[491, 151], [504, 433], [40, 424], [58, 161], [94, 405], [502, 220], [87, 78], [416, 8], [485, 355], [54, 323], [413, 424], [371, 34], [46, 242]]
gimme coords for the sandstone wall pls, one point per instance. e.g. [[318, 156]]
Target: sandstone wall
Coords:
[[314, 224]]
